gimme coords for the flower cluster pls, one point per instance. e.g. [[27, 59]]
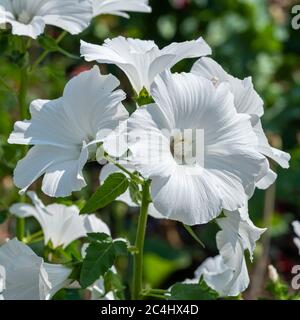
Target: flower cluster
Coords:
[[197, 142]]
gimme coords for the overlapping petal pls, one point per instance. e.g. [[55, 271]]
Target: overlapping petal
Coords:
[[246, 101], [195, 193], [142, 60], [65, 132], [27, 276]]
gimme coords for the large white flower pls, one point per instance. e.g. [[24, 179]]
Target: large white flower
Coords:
[[227, 273], [142, 60], [29, 17], [198, 151], [27, 276], [117, 7], [61, 224], [246, 101], [296, 226], [65, 132]]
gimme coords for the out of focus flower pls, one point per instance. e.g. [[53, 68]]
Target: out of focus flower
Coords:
[[142, 60], [27, 276], [247, 101], [273, 274], [2, 281], [65, 132], [29, 17], [198, 151], [118, 7], [61, 224]]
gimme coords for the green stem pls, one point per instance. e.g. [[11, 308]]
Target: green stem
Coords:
[[139, 244], [44, 55], [23, 109], [20, 228]]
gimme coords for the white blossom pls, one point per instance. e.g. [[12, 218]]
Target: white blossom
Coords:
[[142, 60], [27, 276], [296, 226], [65, 132], [61, 224], [227, 272], [118, 7], [29, 17], [246, 100], [221, 174]]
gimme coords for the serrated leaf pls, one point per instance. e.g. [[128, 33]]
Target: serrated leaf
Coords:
[[200, 291], [100, 257], [115, 185], [99, 237]]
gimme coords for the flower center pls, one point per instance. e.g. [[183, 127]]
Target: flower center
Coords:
[[24, 17], [187, 146]]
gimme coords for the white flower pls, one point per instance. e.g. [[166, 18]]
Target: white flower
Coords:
[[273, 273], [117, 7], [109, 169], [29, 17], [246, 101], [142, 60], [296, 225], [2, 281], [65, 132], [61, 224], [28, 277], [225, 165], [227, 273]]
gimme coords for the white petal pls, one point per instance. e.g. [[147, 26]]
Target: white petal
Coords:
[[71, 15], [117, 7], [195, 198], [103, 110], [245, 97], [61, 224], [187, 49], [57, 276], [33, 29], [219, 277], [281, 157], [25, 275], [49, 125]]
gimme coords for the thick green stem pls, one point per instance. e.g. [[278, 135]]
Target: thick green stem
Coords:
[[139, 244]]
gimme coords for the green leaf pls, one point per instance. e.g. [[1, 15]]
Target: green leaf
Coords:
[[135, 193], [113, 282], [115, 185], [200, 291], [96, 236], [100, 257]]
